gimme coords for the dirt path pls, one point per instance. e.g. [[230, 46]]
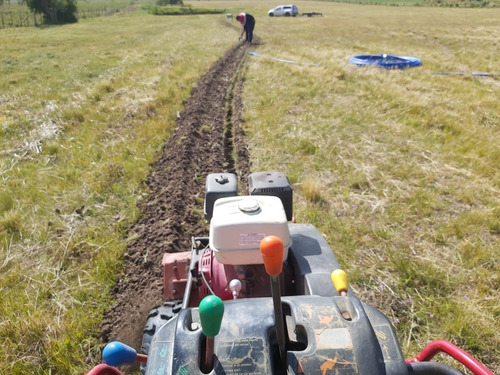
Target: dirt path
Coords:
[[207, 139]]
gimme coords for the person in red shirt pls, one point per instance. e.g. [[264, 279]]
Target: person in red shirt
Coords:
[[248, 22]]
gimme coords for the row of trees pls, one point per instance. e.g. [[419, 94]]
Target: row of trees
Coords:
[[55, 11], [65, 11]]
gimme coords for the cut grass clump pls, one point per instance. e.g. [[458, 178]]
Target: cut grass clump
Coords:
[[11, 223], [306, 147], [6, 202], [311, 190]]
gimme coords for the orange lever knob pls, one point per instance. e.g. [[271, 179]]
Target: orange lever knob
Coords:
[[271, 248]]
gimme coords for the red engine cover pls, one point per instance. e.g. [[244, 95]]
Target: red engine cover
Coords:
[[254, 279]]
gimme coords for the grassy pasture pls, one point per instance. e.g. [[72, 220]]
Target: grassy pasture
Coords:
[[84, 110], [398, 169]]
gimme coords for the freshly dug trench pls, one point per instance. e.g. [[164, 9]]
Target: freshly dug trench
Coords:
[[207, 138]]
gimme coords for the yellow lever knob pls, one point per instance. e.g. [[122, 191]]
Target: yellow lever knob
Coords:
[[339, 280]]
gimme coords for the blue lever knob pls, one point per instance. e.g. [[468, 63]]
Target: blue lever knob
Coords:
[[117, 354]]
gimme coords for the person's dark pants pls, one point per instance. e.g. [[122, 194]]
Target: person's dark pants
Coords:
[[249, 30]]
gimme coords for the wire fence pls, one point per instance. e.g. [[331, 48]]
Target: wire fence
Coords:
[[19, 19], [25, 18]]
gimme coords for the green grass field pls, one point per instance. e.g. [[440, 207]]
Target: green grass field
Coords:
[[398, 169]]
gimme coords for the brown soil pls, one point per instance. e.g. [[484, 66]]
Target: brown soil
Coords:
[[207, 139]]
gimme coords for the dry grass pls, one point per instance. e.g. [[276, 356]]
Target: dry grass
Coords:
[[407, 161], [311, 189], [84, 110]]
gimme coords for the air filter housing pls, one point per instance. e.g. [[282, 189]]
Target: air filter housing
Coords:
[[275, 184]]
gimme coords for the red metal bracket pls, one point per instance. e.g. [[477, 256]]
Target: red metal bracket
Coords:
[[175, 273], [453, 351]]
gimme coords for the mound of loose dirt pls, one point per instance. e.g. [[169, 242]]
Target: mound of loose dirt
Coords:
[[205, 140]]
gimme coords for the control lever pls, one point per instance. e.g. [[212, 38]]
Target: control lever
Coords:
[[116, 354], [339, 280], [235, 287], [211, 310], [271, 248]]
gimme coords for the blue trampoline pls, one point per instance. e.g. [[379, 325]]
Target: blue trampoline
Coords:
[[386, 61]]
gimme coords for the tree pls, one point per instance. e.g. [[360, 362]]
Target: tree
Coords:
[[55, 11]]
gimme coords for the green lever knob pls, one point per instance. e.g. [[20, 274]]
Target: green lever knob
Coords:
[[211, 311]]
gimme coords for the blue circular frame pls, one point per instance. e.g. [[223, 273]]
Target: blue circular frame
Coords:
[[386, 61]]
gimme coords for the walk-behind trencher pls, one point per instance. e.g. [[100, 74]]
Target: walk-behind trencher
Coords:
[[265, 295]]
